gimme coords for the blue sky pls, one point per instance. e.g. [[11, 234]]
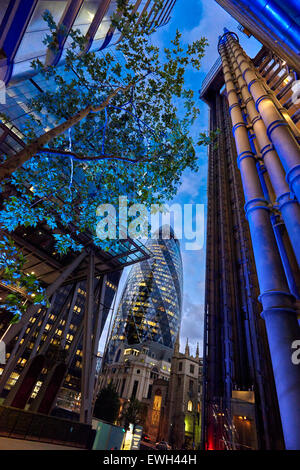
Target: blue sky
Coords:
[[194, 19]]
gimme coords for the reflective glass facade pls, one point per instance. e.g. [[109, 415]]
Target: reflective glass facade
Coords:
[[23, 29], [150, 306]]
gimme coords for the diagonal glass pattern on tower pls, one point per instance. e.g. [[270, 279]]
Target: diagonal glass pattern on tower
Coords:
[[150, 306]]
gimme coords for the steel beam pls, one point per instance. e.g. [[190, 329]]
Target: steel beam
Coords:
[[13, 331], [86, 401]]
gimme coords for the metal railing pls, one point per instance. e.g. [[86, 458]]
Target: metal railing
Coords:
[[210, 76], [21, 424]]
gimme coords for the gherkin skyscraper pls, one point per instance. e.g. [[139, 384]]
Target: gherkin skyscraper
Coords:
[[151, 302]]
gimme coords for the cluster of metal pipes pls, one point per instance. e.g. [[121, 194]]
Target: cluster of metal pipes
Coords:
[[269, 163]]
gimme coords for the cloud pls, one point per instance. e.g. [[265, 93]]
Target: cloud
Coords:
[[189, 185], [192, 325], [211, 25]]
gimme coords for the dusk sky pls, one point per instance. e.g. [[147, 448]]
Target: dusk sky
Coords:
[[194, 19]]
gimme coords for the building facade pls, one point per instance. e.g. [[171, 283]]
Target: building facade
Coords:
[[183, 402], [169, 386], [135, 368], [151, 303], [275, 23], [252, 257], [51, 353], [23, 30], [141, 372]]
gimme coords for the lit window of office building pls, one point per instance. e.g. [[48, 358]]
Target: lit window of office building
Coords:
[[150, 306]]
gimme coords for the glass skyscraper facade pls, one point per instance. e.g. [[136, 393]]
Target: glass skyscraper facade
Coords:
[[151, 302]]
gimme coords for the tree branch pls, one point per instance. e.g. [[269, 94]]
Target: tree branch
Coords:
[[17, 160], [79, 157]]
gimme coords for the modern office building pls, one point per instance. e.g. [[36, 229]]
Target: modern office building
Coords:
[[52, 352], [252, 272], [23, 29], [151, 303], [275, 23]]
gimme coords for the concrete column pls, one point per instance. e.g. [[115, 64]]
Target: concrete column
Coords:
[[288, 206], [86, 401], [278, 303], [278, 130], [96, 336]]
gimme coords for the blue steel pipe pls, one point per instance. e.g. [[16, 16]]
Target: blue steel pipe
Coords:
[[288, 206], [285, 259], [295, 6], [271, 13], [278, 302]]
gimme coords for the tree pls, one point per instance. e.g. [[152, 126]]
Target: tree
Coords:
[[116, 131], [103, 90], [107, 404], [132, 413], [11, 267]]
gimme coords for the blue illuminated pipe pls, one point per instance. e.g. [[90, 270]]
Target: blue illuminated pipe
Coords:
[[283, 25], [295, 5], [284, 256], [277, 301]]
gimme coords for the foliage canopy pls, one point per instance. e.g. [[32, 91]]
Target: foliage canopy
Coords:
[[119, 125]]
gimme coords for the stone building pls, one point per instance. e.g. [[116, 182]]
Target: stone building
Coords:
[[135, 370], [167, 383], [184, 399]]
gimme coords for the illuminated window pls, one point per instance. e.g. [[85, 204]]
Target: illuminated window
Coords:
[[156, 408], [190, 405], [36, 389]]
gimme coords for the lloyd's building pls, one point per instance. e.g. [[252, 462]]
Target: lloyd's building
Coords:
[[251, 388]]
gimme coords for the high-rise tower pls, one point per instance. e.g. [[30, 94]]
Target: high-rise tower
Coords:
[[252, 274], [150, 306]]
